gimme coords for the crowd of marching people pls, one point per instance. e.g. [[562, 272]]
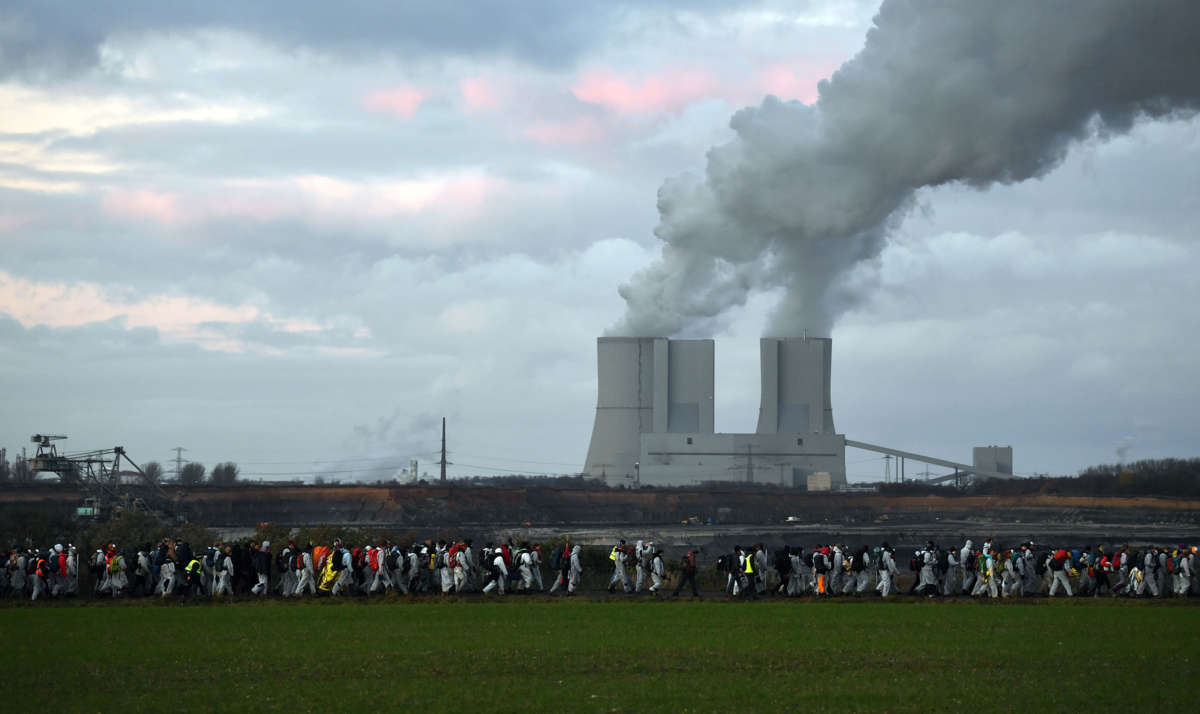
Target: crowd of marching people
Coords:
[[173, 568], [989, 571]]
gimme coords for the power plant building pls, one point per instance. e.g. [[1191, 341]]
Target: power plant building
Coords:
[[654, 416]]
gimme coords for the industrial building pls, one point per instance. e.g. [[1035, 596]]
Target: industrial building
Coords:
[[654, 416], [654, 420]]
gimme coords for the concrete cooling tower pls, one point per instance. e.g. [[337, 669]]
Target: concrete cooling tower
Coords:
[[795, 386], [647, 385], [654, 416]]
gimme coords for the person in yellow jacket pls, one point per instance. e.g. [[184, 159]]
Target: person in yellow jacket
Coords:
[[620, 575]]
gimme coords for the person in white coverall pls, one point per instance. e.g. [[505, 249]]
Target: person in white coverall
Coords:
[[305, 578], [797, 579], [864, 575], [642, 553], [658, 571], [382, 580], [968, 576], [575, 572], [224, 570], [952, 573], [499, 573], [535, 557], [345, 581], [287, 573], [887, 571], [525, 568], [620, 574]]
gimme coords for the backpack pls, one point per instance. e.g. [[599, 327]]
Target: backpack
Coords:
[[556, 559], [820, 563], [220, 564], [856, 563], [971, 564], [283, 560], [298, 561], [914, 563], [357, 560], [1055, 564], [389, 561], [783, 563], [114, 565], [943, 560], [373, 559], [336, 565]]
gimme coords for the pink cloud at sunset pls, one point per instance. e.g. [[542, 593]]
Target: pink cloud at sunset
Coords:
[[670, 91], [400, 101], [661, 92], [146, 204], [479, 93]]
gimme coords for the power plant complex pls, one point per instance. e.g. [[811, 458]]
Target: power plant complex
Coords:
[[654, 416], [654, 419]]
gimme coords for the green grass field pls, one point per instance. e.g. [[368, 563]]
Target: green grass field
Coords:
[[539, 655]]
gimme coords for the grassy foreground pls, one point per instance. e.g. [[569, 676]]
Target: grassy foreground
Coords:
[[526, 655]]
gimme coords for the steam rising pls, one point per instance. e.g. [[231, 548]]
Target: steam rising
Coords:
[[972, 92]]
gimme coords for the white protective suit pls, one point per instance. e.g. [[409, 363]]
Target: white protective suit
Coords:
[[575, 572], [620, 574], [887, 573], [306, 576], [964, 560], [501, 573], [224, 571], [658, 573]]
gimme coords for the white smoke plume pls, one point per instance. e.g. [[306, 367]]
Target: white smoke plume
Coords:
[[943, 91]]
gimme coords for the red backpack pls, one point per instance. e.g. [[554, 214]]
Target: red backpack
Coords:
[[373, 559]]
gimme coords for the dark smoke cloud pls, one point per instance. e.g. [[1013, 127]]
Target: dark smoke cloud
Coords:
[[971, 92]]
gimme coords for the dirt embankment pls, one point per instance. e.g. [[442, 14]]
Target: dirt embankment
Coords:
[[455, 504]]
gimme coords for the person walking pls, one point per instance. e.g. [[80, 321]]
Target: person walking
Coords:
[[687, 574], [260, 560], [658, 571], [305, 572], [498, 573], [887, 570], [576, 571], [224, 572]]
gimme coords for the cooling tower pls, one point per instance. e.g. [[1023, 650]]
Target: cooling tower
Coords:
[[647, 385], [795, 386]]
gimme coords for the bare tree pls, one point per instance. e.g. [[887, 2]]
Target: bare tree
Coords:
[[153, 472], [224, 474], [192, 474], [5, 472]]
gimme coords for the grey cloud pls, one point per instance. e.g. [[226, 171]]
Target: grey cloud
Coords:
[[47, 37], [942, 93]]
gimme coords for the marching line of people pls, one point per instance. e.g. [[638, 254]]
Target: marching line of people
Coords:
[[172, 568], [989, 571]]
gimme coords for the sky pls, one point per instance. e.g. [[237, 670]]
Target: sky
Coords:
[[297, 235]]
